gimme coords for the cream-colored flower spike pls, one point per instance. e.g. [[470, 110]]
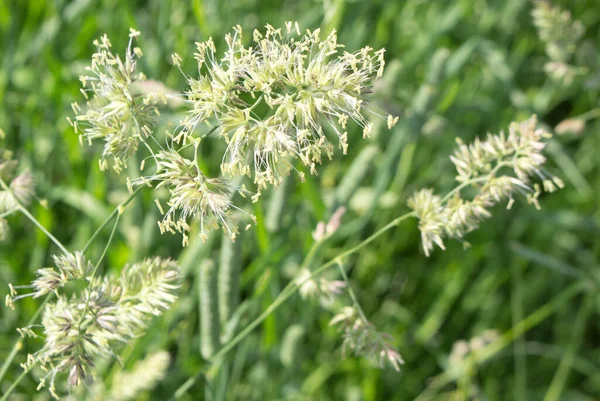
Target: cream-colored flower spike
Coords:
[[80, 328], [114, 111], [192, 196], [497, 168], [288, 97]]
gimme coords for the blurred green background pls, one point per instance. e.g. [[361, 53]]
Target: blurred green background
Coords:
[[455, 69]]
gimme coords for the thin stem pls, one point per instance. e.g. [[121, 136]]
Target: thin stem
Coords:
[[93, 275], [478, 179], [9, 212], [16, 348], [19, 343], [23, 210], [109, 218], [213, 129], [283, 296], [312, 252], [110, 238], [357, 306], [14, 385], [256, 103], [481, 356], [463, 185]]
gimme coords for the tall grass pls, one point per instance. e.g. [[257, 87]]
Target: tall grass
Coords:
[[455, 69]]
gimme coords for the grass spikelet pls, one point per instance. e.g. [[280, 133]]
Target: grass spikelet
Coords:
[[277, 204], [290, 345], [144, 376], [209, 313], [228, 277]]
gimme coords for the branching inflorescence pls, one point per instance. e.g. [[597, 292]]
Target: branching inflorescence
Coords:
[[561, 35], [116, 111], [81, 328], [306, 85], [497, 168], [280, 105], [288, 97], [363, 339]]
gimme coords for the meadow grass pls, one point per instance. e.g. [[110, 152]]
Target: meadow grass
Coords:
[[529, 279]]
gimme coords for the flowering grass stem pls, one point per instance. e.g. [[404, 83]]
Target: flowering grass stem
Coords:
[[109, 219], [116, 213], [23, 210], [15, 384], [283, 296], [353, 297], [9, 212], [93, 275]]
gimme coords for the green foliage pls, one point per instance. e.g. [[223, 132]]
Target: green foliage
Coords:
[[454, 70]]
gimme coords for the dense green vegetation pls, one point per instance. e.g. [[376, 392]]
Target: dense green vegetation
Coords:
[[454, 70]]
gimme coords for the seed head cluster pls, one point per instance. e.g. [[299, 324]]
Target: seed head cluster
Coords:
[[192, 196], [16, 189], [116, 111], [288, 97], [274, 102], [496, 168], [561, 35], [80, 328], [362, 338]]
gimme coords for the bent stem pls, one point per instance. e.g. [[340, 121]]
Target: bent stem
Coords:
[[353, 296], [283, 296], [24, 210]]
